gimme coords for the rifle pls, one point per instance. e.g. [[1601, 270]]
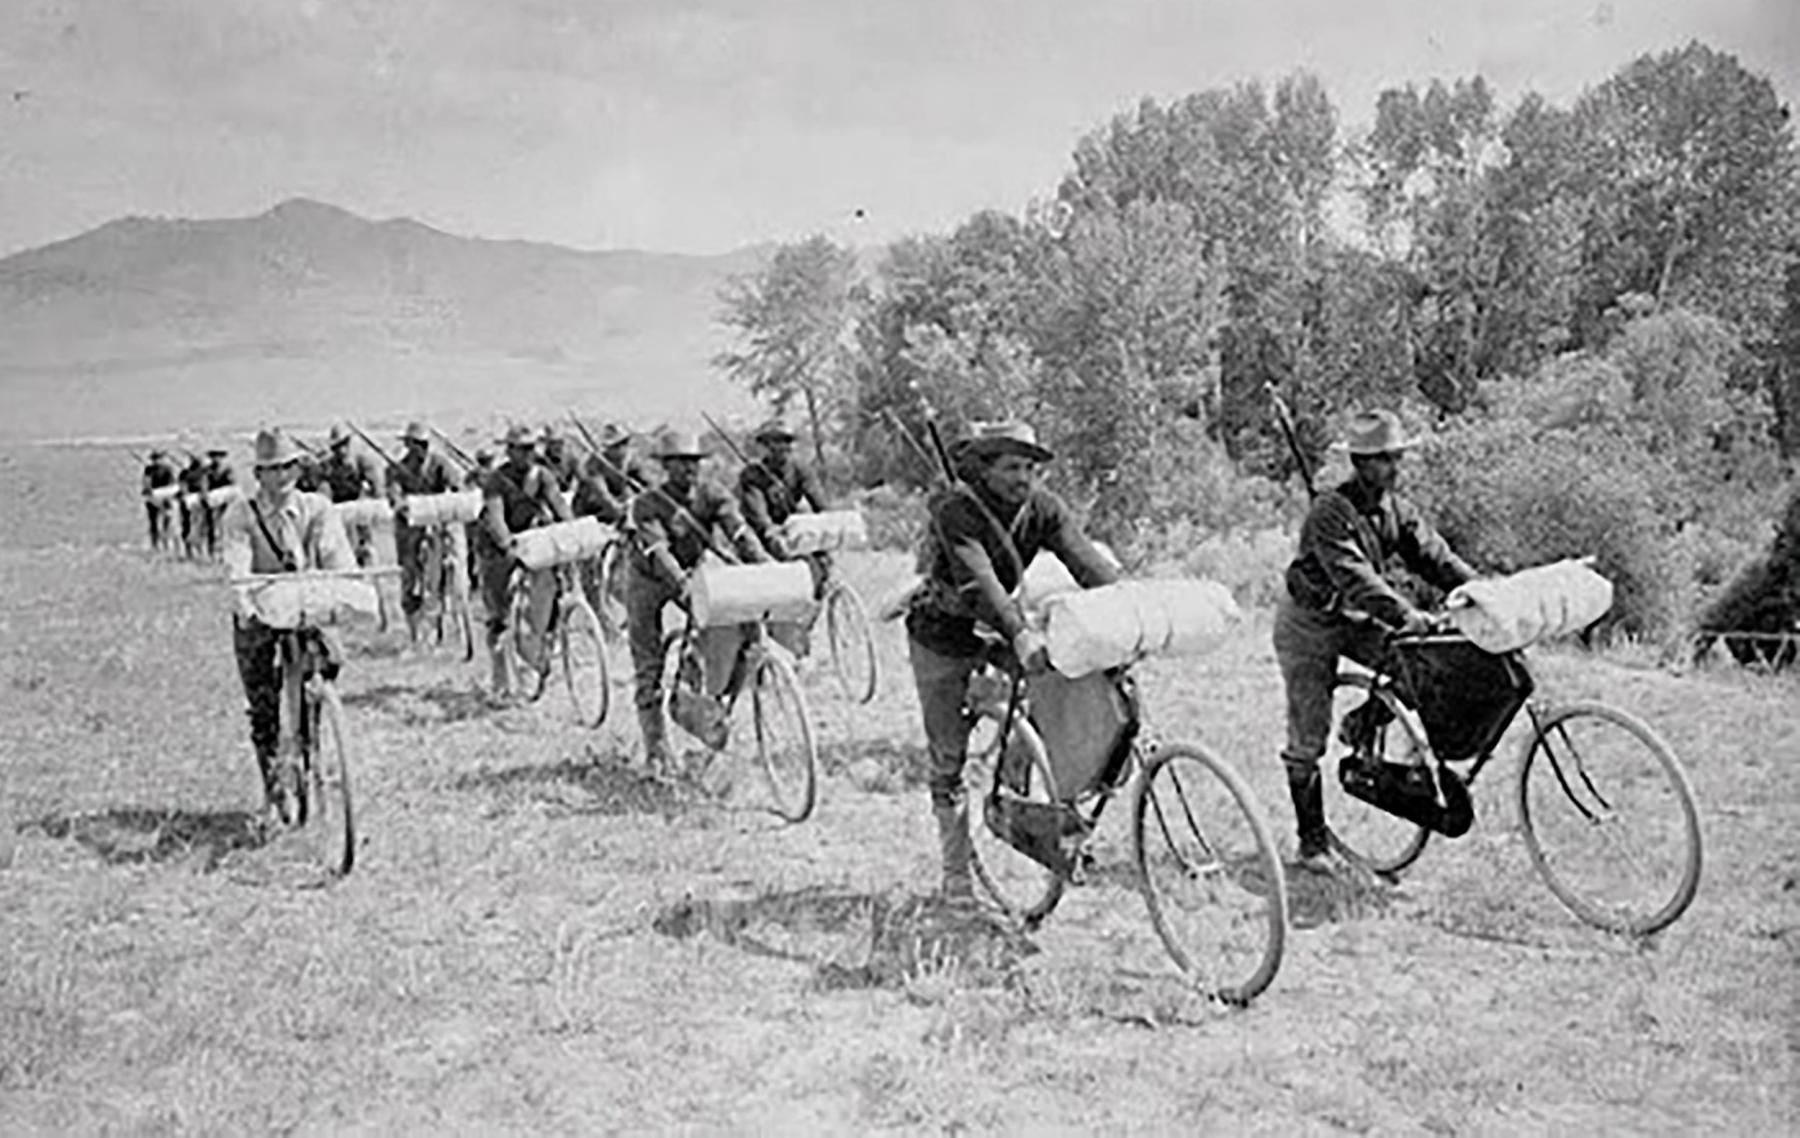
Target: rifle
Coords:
[[641, 488], [912, 440], [370, 443], [1285, 419], [729, 445], [456, 452]]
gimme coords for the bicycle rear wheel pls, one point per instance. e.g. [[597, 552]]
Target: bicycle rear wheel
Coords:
[[1025, 889], [584, 664], [1383, 842], [1210, 872], [784, 738], [529, 677], [852, 642], [329, 818], [455, 604], [1609, 819]]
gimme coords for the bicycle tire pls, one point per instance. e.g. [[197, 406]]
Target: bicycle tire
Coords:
[[611, 607], [1385, 844], [784, 737], [1203, 849], [584, 664], [1025, 890], [1579, 799], [456, 602], [330, 815], [851, 640]]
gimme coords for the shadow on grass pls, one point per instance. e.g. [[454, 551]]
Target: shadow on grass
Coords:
[[451, 704], [876, 766], [130, 835], [599, 786], [859, 940], [1318, 898]]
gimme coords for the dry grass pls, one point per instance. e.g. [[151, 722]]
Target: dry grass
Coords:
[[538, 940]]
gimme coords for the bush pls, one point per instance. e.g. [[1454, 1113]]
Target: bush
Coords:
[[895, 517]]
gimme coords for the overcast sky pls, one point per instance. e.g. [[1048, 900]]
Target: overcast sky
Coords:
[[702, 125]]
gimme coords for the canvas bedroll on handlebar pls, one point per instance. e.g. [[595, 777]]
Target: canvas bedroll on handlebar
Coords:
[[306, 599]]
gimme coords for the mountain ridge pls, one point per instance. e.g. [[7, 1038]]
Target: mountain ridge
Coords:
[[147, 324]]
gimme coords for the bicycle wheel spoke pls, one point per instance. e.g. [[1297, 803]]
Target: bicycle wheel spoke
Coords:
[[1368, 836], [1609, 819], [1212, 880], [1024, 889], [584, 665]]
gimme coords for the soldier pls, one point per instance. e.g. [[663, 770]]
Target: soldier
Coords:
[[983, 533], [1339, 602], [159, 475], [672, 528], [347, 474], [519, 494], [278, 529], [562, 463], [603, 490], [192, 481], [420, 470], [218, 476], [775, 485]]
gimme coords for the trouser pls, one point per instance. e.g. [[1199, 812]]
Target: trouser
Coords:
[[211, 516], [645, 597], [156, 515], [426, 563], [257, 648], [943, 686], [496, 581], [1307, 647]]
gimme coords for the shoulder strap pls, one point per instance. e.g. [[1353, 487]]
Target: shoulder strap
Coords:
[[288, 562], [1005, 534]]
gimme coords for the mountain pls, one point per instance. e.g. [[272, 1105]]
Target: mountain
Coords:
[[309, 312]]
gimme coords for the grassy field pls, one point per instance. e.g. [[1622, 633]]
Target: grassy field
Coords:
[[538, 940]]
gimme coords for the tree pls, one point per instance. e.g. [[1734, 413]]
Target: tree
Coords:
[[795, 318]]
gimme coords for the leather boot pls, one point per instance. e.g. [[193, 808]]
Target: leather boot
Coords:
[[955, 847], [1306, 788], [655, 729]]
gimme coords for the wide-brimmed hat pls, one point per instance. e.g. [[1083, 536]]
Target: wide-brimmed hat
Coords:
[[613, 436], [1009, 437], [774, 429], [1376, 432], [416, 432], [275, 448], [518, 435], [550, 435], [678, 443], [337, 435]]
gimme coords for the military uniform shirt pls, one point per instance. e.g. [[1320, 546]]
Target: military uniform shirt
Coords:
[[771, 496], [1346, 543], [304, 525], [659, 523]]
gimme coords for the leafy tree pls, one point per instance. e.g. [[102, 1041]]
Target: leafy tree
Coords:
[[795, 319]]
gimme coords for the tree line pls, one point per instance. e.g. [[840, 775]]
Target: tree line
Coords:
[[1627, 262]]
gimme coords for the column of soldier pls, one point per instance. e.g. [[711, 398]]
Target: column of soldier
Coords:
[[538, 478], [990, 521]]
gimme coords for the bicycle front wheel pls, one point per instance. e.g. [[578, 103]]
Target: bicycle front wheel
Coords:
[[1365, 834], [330, 818], [584, 664], [1609, 819], [852, 642], [455, 607], [1210, 872], [1025, 889], [531, 670], [784, 738]]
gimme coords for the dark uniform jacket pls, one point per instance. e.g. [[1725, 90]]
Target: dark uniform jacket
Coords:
[[516, 499], [672, 529], [431, 473], [975, 555], [771, 495], [347, 478], [1346, 546], [218, 476], [158, 473]]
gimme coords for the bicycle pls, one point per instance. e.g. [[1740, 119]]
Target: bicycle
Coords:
[[439, 519], [706, 670], [313, 755], [1590, 776], [849, 637], [1203, 856], [572, 635]]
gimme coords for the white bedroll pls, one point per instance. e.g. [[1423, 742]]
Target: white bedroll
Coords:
[[457, 506], [1092, 629], [290, 600], [222, 496], [733, 594], [363, 512], [192, 501], [825, 532], [163, 494], [563, 543], [1507, 613], [1048, 577]]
